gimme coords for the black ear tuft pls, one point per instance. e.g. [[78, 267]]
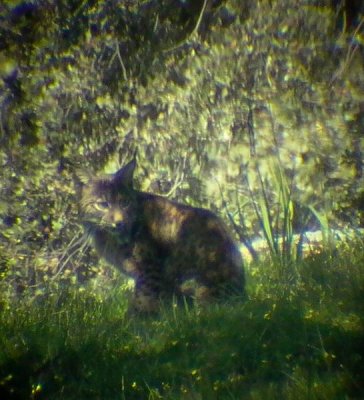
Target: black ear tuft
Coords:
[[124, 177]]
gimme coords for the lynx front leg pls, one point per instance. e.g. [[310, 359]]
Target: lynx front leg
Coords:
[[146, 296], [114, 248]]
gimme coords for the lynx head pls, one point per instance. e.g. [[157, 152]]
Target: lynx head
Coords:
[[109, 200]]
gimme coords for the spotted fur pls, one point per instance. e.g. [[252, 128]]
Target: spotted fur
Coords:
[[161, 244]]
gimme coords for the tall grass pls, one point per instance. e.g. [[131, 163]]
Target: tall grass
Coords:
[[305, 343], [283, 222], [277, 231]]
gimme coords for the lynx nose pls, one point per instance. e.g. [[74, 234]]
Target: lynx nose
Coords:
[[117, 217]]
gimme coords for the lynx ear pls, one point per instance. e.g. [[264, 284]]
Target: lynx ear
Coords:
[[124, 177]]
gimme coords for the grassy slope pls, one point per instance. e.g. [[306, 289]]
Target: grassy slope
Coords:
[[298, 336]]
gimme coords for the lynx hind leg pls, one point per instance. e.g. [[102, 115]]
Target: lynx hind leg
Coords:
[[208, 291], [232, 269], [222, 280]]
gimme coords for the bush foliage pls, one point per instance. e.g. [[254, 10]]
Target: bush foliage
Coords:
[[213, 94]]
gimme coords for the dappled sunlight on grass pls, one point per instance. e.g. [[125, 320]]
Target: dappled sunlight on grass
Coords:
[[295, 344]]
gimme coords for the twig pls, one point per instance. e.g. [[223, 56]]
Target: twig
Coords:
[[74, 249], [349, 55], [179, 180], [199, 18], [121, 61], [118, 55], [195, 29], [237, 228]]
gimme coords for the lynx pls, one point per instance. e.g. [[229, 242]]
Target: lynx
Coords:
[[159, 243]]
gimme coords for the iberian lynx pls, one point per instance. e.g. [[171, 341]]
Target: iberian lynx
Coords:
[[161, 244]]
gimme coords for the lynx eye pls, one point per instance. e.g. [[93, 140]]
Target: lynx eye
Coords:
[[102, 205], [124, 205]]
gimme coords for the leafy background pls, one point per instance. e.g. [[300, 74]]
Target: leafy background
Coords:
[[252, 109], [213, 94]]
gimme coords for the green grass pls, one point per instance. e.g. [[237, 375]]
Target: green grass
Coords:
[[298, 336]]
